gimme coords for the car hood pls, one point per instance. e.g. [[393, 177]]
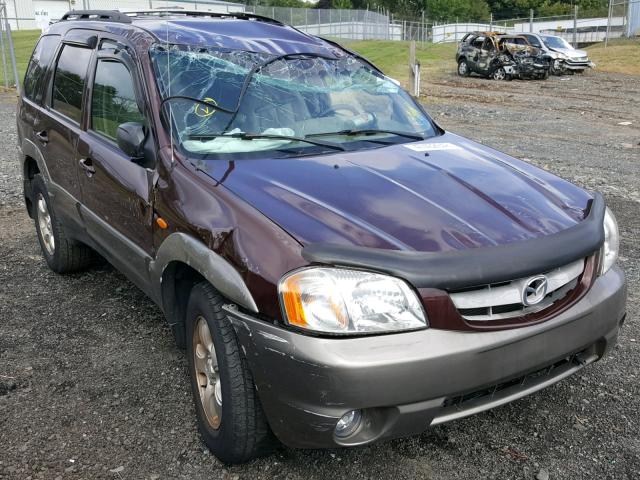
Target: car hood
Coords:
[[442, 194], [571, 53]]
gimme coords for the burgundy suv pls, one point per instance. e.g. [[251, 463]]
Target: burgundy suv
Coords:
[[339, 269]]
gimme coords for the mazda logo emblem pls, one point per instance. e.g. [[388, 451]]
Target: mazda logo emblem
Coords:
[[534, 291]]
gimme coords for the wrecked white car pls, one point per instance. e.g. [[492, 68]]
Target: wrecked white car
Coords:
[[564, 58]]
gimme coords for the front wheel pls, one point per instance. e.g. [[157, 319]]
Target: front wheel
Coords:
[[229, 414], [555, 68], [463, 68], [499, 74]]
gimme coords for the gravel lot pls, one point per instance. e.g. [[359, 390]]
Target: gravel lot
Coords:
[[92, 386]]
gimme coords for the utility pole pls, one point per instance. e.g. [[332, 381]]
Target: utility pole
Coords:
[[575, 27], [12, 52], [491, 22], [5, 71], [531, 20], [606, 38]]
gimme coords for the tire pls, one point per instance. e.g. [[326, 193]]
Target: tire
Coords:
[[463, 68], [545, 75], [499, 74], [62, 254], [230, 417]]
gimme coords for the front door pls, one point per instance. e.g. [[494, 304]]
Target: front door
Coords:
[[116, 191]]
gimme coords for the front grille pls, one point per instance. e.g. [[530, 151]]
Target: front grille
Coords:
[[500, 301]]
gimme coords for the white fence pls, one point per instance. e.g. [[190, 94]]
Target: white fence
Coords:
[[589, 30]]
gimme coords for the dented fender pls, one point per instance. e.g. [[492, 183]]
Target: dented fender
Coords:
[[222, 275]]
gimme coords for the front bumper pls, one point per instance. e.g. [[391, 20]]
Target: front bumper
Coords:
[[407, 382], [578, 65]]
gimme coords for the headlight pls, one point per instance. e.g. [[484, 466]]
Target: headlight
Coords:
[[336, 300], [609, 252]]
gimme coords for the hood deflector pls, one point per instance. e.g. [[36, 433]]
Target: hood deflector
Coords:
[[475, 266]]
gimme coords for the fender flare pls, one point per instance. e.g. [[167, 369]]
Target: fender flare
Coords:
[[180, 247], [30, 149]]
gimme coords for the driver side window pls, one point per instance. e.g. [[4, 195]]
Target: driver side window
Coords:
[[114, 100], [477, 43]]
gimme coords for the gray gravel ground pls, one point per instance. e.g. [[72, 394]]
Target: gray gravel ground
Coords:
[[92, 386]]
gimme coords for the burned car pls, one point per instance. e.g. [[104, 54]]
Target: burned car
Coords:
[[501, 57], [339, 269], [564, 58]]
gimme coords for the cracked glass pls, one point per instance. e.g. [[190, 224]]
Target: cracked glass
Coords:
[[215, 97]]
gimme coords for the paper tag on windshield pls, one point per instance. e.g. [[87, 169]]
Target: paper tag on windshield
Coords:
[[431, 147]]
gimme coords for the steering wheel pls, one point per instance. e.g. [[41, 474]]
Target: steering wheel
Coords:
[[338, 107]]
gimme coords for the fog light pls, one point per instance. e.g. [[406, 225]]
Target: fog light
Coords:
[[349, 423]]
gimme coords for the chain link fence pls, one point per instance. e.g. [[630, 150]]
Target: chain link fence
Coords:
[[338, 23], [623, 20], [8, 69]]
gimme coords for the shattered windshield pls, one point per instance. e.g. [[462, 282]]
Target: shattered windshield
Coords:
[[556, 42], [230, 101]]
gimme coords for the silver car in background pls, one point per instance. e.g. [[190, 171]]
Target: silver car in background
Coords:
[[564, 58]]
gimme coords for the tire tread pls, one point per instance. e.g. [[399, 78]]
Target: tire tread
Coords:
[[251, 434]]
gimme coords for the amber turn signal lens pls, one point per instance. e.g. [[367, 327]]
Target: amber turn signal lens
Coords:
[[162, 223], [292, 301]]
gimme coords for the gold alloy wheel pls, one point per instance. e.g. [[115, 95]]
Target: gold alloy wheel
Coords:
[[44, 222], [205, 364]]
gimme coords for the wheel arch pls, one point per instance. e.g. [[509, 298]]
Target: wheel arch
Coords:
[[31, 164], [30, 170], [181, 262]]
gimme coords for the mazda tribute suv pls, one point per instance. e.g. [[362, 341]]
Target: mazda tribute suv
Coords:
[[339, 269]]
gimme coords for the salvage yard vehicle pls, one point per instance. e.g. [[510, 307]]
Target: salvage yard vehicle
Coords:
[[501, 57], [339, 269], [564, 58]]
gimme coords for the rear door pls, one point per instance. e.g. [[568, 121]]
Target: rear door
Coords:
[[116, 191], [61, 122], [30, 105]]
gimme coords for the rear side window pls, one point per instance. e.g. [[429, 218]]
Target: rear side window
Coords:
[[37, 69], [114, 99], [69, 81]]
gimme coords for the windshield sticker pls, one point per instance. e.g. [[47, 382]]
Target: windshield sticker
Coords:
[[203, 111], [431, 147]]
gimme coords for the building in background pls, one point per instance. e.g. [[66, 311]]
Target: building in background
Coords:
[[32, 14]]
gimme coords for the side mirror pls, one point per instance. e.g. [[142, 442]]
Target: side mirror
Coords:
[[130, 138]]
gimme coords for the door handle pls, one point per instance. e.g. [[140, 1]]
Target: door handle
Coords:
[[87, 166], [42, 137]]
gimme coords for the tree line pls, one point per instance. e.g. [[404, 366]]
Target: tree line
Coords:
[[462, 10]]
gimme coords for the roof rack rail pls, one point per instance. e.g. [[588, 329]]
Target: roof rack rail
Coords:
[[96, 15], [160, 12]]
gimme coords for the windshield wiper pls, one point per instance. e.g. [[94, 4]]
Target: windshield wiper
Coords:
[[354, 132], [259, 136]]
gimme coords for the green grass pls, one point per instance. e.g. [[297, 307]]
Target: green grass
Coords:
[[393, 57], [620, 56], [23, 43]]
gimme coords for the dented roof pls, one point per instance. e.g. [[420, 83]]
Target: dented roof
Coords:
[[237, 34]]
